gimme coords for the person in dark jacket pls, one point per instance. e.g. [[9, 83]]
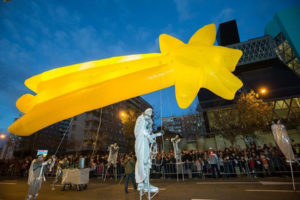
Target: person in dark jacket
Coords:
[[129, 165]]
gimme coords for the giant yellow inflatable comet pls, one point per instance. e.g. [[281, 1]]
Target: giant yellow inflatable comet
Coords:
[[65, 92]]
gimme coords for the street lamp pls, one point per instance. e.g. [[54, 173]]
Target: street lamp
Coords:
[[263, 91], [122, 114], [2, 136]]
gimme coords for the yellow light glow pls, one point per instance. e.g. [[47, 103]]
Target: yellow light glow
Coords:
[[122, 114], [263, 91], [2, 136]]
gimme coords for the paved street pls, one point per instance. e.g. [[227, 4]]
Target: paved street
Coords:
[[197, 189]]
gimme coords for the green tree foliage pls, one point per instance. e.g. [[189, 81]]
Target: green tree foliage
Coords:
[[247, 115], [128, 120]]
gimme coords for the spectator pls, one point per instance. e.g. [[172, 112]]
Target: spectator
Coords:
[[214, 162], [129, 165], [265, 164], [199, 166], [231, 161]]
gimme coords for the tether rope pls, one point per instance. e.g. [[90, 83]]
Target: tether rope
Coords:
[[63, 136], [98, 130]]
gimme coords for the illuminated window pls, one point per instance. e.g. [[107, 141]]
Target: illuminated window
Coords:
[[280, 105]]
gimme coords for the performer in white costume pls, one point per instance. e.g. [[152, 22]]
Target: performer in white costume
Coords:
[[113, 154], [36, 176], [112, 159], [144, 142], [177, 154], [282, 139], [177, 151]]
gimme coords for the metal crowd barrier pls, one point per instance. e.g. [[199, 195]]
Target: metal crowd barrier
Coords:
[[231, 168], [234, 168]]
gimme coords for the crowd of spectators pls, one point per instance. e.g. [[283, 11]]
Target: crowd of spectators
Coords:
[[255, 161]]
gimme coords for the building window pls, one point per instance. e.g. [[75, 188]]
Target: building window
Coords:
[[286, 54]]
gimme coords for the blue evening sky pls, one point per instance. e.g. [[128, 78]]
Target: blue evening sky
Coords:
[[39, 35]]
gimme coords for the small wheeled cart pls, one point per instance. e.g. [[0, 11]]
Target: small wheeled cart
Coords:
[[77, 178]]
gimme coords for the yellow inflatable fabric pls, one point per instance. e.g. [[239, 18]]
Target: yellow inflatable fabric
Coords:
[[65, 92]]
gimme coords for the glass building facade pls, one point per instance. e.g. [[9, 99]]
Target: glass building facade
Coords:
[[267, 61], [286, 54]]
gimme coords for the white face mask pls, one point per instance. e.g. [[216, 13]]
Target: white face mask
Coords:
[[148, 117], [148, 112]]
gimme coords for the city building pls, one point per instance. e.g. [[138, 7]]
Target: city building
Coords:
[[187, 126], [104, 126], [48, 138], [261, 66], [190, 127], [80, 132]]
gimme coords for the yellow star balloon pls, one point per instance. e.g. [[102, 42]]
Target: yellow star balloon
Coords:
[[65, 92]]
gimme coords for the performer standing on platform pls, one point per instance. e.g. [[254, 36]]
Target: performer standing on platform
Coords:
[[113, 154], [112, 159], [144, 140], [177, 151]]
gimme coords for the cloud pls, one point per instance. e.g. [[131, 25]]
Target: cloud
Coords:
[[225, 15], [43, 36], [153, 47], [183, 9], [32, 44], [140, 33]]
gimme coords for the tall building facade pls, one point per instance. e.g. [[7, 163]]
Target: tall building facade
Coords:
[[260, 66], [45, 139], [103, 125], [190, 127]]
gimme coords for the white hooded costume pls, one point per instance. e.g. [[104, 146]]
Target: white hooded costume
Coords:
[[283, 141], [143, 129], [113, 154], [177, 151], [36, 176], [143, 139]]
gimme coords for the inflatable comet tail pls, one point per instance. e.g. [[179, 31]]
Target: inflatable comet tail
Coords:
[[65, 92]]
